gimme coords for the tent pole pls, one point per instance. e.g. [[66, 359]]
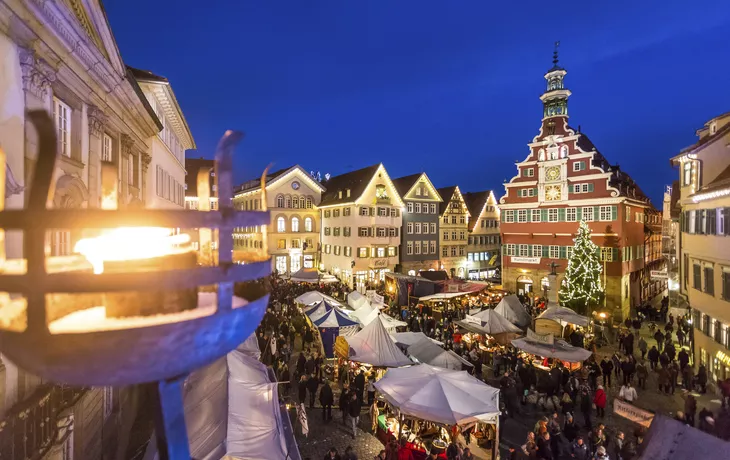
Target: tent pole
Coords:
[[400, 426], [495, 444]]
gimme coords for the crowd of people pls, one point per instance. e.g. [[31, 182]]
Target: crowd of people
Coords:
[[575, 401]]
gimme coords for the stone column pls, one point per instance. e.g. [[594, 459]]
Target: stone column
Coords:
[[97, 121], [146, 160], [553, 290], [37, 78], [127, 144]]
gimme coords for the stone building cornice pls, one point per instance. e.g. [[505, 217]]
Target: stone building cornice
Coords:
[[38, 75]]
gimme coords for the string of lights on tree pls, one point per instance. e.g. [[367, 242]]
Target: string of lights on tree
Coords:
[[582, 286]]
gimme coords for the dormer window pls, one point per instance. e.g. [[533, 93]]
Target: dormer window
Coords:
[[713, 128], [347, 192], [687, 173], [339, 194]]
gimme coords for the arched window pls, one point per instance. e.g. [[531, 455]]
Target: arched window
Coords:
[[295, 202], [309, 202], [294, 224], [302, 203], [280, 225], [563, 151], [287, 202], [541, 155], [308, 224], [280, 201]]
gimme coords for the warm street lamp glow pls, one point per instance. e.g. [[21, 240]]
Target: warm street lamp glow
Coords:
[[602, 315]]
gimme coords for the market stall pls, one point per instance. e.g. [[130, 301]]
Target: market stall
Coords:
[[428, 352], [372, 345], [511, 308], [406, 339], [555, 319], [312, 297], [356, 300], [318, 309], [489, 323], [367, 314], [545, 346], [332, 324], [430, 405]]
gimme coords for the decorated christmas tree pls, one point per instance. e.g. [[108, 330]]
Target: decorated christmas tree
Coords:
[[581, 288]]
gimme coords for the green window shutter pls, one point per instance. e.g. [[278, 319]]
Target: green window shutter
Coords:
[[529, 215], [615, 254], [546, 251], [563, 252], [614, 212], [582, 165], [543, 215], [534, 191], [561, 215], [596, 213], [529, 250], [590, 187], [579, 214], [501, 216]]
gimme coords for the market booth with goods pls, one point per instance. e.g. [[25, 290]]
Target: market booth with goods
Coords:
[[427, 407]]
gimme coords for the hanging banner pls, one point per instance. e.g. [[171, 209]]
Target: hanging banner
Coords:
[[546, 339], [342, 348], [632, 413], [378, 300], [472, 319]]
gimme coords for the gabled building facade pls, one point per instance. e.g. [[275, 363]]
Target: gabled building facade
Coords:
[[563, 180], [292, 237], [454, 216], [482, 250], [362, 216], [419, 249], [703, 252]]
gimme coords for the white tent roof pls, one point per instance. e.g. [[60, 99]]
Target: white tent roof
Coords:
[[560, 350], [367, 314], [254, 418], [356, 300], [511, 308], [440, 395], [318, 310], [428, 352], [334, 318], [250, 346], [409, 338], [306, 275], [564, 315], [373, 345], [492, 323], [311, 297]]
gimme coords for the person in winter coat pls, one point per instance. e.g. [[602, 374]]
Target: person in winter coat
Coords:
[[670, 351], [599, 399], [601, 454], [607, 370], [653, 357], [690, 409], [332, 455], [566, 403], [579, 450], [353, 413], [618, 446], [702, 378], [659, 337], [344, 401], [663, 379], [326, 399], [642, 374], [586, 406], [570, 428], [302, 389], [544, 447], [301, 362], [312, 386], [642, 347]]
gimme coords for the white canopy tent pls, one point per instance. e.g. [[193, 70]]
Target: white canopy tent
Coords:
[[442, 296], [373, 345], [511, 308], [559, 349], [490, 323], [306, 275], [428, 352], [312, 297], [318, 310], [407, 339], [356, 300], [440, 395], [564, 316], [367, 314], [255, 427]]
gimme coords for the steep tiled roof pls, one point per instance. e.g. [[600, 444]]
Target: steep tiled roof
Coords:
[[256, 182], [722, 181], [356, 181], [446, 193], [405, 183], [475, 202]]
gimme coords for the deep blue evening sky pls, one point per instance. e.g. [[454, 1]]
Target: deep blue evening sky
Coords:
[[449, 87]]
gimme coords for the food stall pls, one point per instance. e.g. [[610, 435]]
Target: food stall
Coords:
[[312, 297], [511, 308], [555, 320], [541, 347], [428, 352], [489, 323], [429, 405]]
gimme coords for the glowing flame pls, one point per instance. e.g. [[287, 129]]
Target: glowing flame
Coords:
[[130, 243]]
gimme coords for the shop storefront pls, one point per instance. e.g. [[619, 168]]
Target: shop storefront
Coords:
[[524, 285]]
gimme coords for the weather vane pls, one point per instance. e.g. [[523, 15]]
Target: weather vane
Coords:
[[555, 53]]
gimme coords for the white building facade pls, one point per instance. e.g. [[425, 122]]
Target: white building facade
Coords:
[[362, 215]]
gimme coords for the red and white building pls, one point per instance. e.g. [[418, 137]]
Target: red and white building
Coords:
[[564, 180]]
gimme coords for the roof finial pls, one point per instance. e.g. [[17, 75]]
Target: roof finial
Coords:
[[555, 53]]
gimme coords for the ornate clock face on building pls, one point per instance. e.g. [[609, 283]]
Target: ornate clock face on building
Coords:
[[553, 193], [552, 173], [295, 185]]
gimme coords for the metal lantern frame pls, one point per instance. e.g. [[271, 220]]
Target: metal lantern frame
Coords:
[[161, 354]]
